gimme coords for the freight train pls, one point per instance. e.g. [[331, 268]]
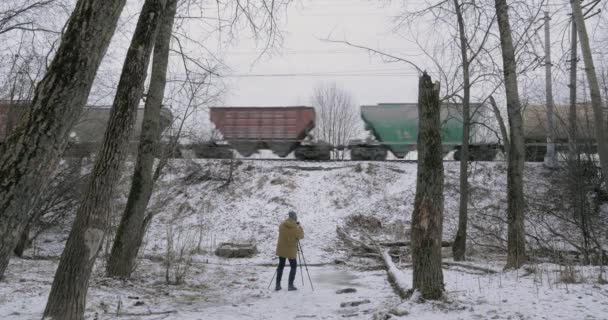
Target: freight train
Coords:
[[88, 131], [392, 127], [535, 130]]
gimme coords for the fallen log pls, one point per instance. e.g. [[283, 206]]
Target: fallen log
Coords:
[[143, 314], [395, 276], [468, 266], [370, 255], [444, 244], [461, 265]]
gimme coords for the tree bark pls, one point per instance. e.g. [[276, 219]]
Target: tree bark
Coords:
[[594, 88], [460, 241], [31, 153], [501, 125], [24, 241], [67, 298], [427, 218], [516, 248], [132, 229]]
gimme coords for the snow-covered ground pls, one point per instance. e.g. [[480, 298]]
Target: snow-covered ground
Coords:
[[199, 212]]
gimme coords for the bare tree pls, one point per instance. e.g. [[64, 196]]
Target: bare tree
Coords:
[[484, 72], [67, 298], [594, 87], [30, 31], [337, 116], [460, 241], [23, 15], [582, 223], [468, 39], [20, 82], [31, 153], [572, 215], [135, 220], [56, 202], [427, 218], [131, 229], [516, 254]]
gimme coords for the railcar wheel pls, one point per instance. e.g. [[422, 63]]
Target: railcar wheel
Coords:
[[313, 153]]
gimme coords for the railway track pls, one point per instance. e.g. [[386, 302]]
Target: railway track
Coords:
[[337, 161]]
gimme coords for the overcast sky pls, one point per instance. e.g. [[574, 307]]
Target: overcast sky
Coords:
[[305, 61], [290, 73]]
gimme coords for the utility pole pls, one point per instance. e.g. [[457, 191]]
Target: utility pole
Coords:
[[572, 111], [550, 157]]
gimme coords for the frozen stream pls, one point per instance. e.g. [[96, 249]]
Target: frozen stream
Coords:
[[322, 303]]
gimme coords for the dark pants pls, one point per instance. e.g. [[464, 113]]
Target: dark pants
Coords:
[[293, 264]]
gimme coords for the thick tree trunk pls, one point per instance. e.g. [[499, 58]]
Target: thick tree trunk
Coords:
[[31, 153], [516, 241], [594, 88], [131, 230], [68, 293], [427, 218], [460, 242]]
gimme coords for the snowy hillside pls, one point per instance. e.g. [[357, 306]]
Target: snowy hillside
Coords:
[[199, 204], [260, 195]]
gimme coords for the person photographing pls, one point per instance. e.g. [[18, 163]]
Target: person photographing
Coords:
[[290, 232]]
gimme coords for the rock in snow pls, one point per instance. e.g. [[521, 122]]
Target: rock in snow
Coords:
[[236, 250], [346, 290]]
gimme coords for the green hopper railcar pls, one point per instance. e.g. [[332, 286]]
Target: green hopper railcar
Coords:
[[395, 127]]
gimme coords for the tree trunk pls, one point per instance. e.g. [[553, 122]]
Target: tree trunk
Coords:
[[501, 125], [24, 241], [427, 218], [594, 88], [516, 241], [460, 242], [131, 230], [68, 293], [31, 153]]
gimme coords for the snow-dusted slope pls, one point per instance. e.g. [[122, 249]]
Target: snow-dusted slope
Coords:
[[251, 207], [193, 203]]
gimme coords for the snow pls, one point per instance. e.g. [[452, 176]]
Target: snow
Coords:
[[398, 277], [512, 295], [250, 208]]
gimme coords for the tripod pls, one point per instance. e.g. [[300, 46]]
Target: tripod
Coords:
[[305, 266]]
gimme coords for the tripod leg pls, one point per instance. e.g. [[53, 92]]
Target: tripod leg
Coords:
[[275, 273], [300, 262], [306, 266]]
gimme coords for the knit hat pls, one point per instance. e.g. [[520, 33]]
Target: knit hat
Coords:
[[293, 215]]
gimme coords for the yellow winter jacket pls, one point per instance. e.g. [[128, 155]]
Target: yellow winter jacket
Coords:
[[289, 234]]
